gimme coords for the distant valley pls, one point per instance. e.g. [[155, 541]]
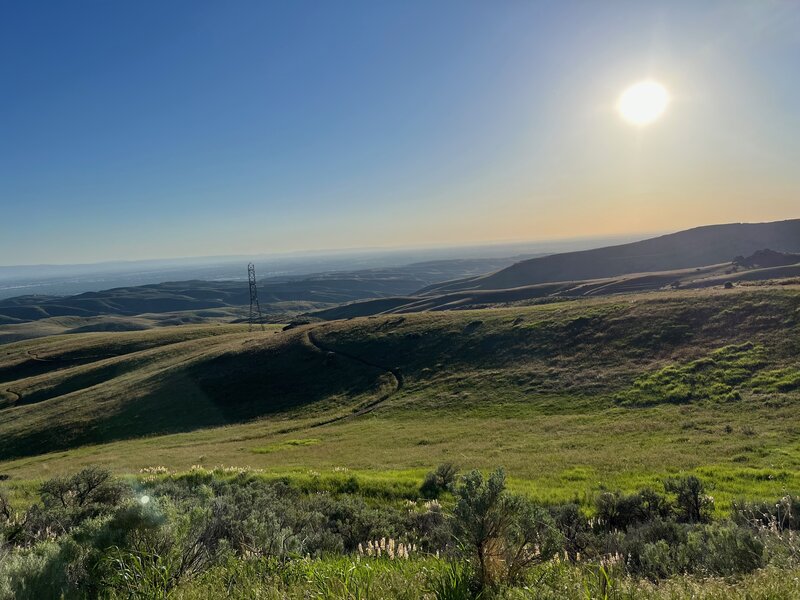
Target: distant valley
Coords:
[[718, 255]]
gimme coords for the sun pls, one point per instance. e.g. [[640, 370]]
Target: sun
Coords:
[[643, 102]]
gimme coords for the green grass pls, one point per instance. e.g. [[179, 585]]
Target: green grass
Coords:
[[286, 445], [420, 577], [718, 377], [779, 380], [534, 389]]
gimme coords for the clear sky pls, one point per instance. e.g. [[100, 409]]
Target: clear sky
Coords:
[[144, 129]]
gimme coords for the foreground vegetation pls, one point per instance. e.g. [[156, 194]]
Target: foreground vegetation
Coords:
[[206, 535]]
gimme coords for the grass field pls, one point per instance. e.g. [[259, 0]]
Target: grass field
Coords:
[[544, 391]]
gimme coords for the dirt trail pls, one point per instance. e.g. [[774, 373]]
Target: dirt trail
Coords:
[[13, 393], [367, 408], [36, 357]]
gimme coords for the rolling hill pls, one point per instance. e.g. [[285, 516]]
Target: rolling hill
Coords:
[[278, 296], [695, 367], [557, 393], [696, 247], [747, 272]]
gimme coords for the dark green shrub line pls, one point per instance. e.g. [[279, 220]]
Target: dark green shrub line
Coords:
[[92, 536]]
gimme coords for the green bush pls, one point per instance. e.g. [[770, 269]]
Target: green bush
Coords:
[[723, 550], [620, 511], [574, 527], [503, 534], [652, 549], [33, 573], [439, 481], [5, 508], [692, 502]]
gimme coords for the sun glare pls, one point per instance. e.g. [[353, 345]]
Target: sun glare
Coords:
[[643, 102]]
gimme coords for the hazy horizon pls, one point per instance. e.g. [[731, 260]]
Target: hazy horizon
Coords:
[[476, 249], [143, 131]]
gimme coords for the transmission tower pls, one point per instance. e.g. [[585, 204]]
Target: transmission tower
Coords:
[[255, 307]]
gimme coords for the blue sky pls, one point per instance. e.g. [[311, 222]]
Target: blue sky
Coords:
[[156, 129]]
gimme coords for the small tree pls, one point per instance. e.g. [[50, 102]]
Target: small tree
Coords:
[[481, 521], [504, 534], [693, 503]]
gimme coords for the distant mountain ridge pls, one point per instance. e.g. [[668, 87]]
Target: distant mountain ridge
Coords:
[[192, 295], [697, 247]]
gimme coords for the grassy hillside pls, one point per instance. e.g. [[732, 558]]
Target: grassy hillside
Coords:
[[571, 396], [725, 274], [691, 248], [114, 323], [65, 391]]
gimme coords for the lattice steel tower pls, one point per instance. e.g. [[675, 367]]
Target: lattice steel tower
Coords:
[[255, 307]]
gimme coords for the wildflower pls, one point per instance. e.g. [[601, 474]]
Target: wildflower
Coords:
[[154, 470], [432, 505], [390, 548]]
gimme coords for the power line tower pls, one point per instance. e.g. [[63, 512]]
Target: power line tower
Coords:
[[255, 307]]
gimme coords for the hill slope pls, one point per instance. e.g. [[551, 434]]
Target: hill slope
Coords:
[[691, 248], [571, 397], [64, 391], [696, 278]]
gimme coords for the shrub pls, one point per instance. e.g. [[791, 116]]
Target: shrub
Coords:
[[91, 488], [724, 550], [439, 481], [574, 527], [32, 573], [350, 521], [193, 533], [66, 502], [691, 500], [430, 527], [661, 549], [781, 515], [656, 560], [620, 511], [480, 521], [652, 549], [5, 508], [257, 520], [503, 534], [531, 537]]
